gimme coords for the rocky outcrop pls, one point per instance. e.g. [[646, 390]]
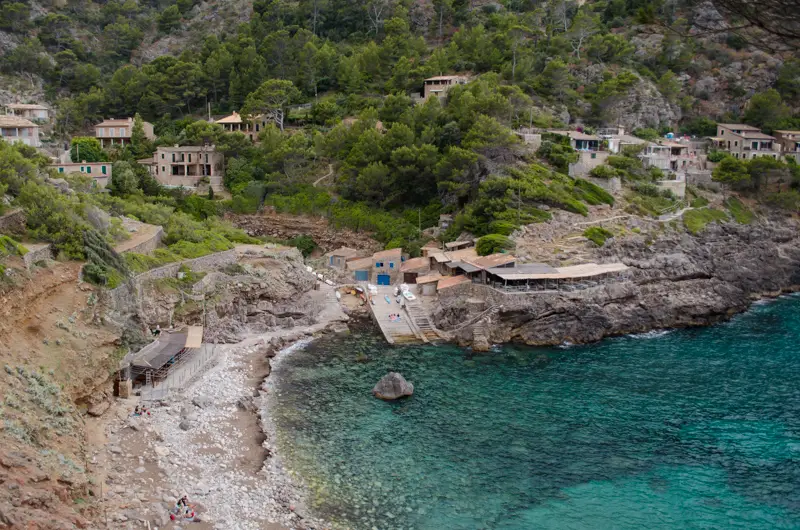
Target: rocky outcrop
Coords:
[[392, 386], [643, 106], [678, 280]]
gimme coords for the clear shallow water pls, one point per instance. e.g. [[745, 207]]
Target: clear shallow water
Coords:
[[688, 429]]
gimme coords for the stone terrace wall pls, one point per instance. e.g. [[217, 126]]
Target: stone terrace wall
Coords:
[[148, 246], [202, 264], [36, 255], [13, 222]]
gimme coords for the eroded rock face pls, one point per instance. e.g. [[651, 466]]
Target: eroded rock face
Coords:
[[392, 386], [678, 280]]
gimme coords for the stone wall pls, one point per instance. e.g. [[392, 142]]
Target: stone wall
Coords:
[[612, 185], [149, 245], [586, 163], [13, 222], [678, 187], [38, 254], [202, 264], [698, 176]]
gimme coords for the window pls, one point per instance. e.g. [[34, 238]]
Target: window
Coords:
[[594, 155], [101, 131], [754, 145], [736, 143], [88, 169], [121, 132], [163, 169], [378, 264], [206, 158], [61, 170], [111, 132], [173, 157], [391, 264], [103, 170], [190, 158], [331, 260], [162, 156], [83, 169]]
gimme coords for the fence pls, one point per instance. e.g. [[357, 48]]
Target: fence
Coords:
[[183, 372]]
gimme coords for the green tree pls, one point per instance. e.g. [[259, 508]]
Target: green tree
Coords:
[[766, 110], [788, 83], [123, 179], [14, 16], [669, 85], [270, 100], [87, 149], [141, 146], [169, 19], [493, 243], [734, 172]]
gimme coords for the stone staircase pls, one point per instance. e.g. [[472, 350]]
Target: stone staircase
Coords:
[[422, 321], [400, 331]]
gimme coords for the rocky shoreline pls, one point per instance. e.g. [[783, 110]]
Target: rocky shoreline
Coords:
[[677, 280], [214, 441]]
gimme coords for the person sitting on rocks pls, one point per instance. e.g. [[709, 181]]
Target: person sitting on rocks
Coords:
[[137, 411]]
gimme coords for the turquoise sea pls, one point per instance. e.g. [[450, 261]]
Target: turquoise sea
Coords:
[[694, 428]]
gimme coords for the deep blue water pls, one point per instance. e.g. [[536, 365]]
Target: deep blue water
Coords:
[[694, 428]]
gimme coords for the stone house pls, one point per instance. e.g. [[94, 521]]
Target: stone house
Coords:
[[33, 112], [338, 258], [789, 142], [439, 85], [413, 268], [99, 171], [15, 129], [745, 141], [361, 269], [118, 132], [235, 123], [386, 266], [189, 166]]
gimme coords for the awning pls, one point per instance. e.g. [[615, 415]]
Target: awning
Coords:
[[194, 339]]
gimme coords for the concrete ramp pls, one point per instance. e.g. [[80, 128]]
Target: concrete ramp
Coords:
[[396, 331]]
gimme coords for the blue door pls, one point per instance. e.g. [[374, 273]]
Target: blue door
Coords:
[[384, 279], [362, 276]]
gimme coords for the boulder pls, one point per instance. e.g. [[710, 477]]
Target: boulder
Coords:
[[392, 386], [98, 409], [202, 402], [186, 425]]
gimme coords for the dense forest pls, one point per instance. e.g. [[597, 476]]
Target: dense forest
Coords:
[[339, 80]]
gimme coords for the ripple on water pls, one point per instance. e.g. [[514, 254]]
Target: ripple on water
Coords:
[[690, 429]]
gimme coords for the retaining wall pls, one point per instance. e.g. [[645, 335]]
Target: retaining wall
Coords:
[[612, 185], [36, 255], [202, 264], [149, 245]]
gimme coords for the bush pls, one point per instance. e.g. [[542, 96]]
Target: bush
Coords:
[[786, 200], [625, 163], [699, 202], [304, 243], [716, 156], [493, 243], [604, 172], [592, 193], [598, 235], [9, 247], [740, 213], [696, 220], [504, 228]]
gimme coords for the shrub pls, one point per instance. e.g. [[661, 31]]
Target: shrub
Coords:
[[786, 200], [504, 228], [625, 163], [604, 172], [699, 202], [740, 213], [9, 247], [696, 220], [304, 243], [598, 235], [716, 156], [592, 193], [493, 243]]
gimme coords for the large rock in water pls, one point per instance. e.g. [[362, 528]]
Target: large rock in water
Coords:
[[392, 386]]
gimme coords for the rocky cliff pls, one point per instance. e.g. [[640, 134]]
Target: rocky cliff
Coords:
[[677, 280]]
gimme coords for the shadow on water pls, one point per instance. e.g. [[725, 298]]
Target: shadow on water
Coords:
[[692, 428]]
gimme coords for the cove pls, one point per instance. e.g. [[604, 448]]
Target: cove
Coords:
[[696, 428]]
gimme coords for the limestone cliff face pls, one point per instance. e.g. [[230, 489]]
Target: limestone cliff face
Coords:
[[677, 281], [256, 295]]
